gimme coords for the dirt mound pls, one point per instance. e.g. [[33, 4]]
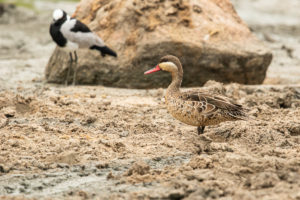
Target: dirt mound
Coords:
[[210, 39], [139, 168]]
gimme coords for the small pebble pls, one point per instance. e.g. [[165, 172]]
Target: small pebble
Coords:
[[124, 134]]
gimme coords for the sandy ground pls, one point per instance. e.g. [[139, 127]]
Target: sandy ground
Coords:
[[278, 25], [93, 142]]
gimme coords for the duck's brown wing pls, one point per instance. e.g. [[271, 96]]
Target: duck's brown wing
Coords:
[[208, 104]]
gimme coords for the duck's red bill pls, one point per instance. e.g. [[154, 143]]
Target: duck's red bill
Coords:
[[155, 69]]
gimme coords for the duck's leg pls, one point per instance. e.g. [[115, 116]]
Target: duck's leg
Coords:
[[75, 69], [69, 68], [200, 130]]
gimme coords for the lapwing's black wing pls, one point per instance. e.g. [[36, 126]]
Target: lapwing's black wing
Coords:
[[80, 27]]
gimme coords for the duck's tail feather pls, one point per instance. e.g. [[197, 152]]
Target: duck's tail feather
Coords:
[[241, 114]]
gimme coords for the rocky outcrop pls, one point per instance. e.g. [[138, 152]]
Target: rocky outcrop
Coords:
[[208, 36]]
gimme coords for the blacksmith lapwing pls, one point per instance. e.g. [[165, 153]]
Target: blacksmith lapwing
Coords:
[[71, 34]]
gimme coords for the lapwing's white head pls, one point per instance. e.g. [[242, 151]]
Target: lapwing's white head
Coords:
[[59, 16]]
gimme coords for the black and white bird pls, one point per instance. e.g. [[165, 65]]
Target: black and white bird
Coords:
[[71, 34]]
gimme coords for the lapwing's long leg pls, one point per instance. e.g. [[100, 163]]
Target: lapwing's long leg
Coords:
[[69, 68], [200, 130], [75, 69]]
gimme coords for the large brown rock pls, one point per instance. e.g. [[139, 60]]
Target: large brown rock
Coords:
[[208, 36]]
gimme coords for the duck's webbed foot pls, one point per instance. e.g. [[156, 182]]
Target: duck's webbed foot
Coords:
[[200, 130]]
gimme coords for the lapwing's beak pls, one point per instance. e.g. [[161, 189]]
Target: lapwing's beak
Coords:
[[155, 69]]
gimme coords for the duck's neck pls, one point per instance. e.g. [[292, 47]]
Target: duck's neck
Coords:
[[174, 87]]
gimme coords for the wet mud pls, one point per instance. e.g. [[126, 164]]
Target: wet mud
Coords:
[[119, 143]]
